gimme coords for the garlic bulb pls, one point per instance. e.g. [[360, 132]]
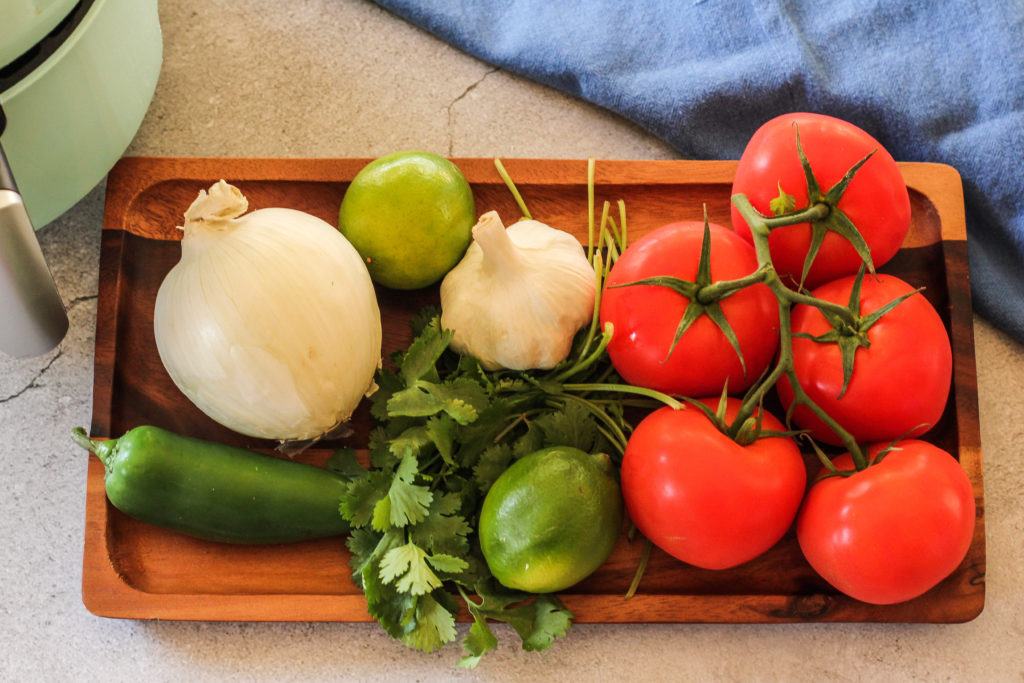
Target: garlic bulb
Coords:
[[518, 296], [269, 323]]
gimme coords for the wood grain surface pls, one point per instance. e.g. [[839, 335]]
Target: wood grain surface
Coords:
[[134, 570]]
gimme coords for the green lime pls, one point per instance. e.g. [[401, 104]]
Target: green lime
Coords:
[[551, 519], [410, 215]]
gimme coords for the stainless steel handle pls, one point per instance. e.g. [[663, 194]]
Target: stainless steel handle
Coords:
[[32, 316]]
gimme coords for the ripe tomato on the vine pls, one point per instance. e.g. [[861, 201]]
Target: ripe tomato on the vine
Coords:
[[892, 531], [702, 497], [900, 382], [646, 317], [876, 200]]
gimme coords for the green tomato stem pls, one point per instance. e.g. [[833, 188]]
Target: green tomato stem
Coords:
[[717, 291], [760, 229]]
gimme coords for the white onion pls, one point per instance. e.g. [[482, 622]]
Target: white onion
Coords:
[[269, 323]]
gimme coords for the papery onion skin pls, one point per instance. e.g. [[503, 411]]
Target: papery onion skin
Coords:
[[269, 324]]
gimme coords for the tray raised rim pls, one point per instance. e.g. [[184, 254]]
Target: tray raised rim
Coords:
[[106, 593]]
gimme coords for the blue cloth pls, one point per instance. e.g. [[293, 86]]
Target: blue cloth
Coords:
[[932, 80]]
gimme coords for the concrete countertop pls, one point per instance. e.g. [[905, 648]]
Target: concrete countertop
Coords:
[[343, 78]]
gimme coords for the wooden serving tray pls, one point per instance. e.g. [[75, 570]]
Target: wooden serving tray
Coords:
[[138, 571]]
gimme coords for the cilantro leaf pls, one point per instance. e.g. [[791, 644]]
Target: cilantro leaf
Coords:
[[408, 564], [448, 564], [388, 383], [441, 430], [432, 625], [493, 462], [477, 437], [360, 499], [442, 530], [415, 401], [530, 441], [427, 315], [421, 358], [381, 456], [380, 520], [479, 641], [389, 607], [408, 502], [345, 462], [410, 442], [462, 399], [571, 426], [538, 621], [367, 548], [362, 543]]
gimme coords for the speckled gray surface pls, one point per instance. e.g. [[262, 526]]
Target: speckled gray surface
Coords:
[[328, 78]]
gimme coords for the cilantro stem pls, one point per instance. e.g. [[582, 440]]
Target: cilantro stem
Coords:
[[611, 244], [618, 438], [623, 241], [640, 570], [599, 273], [590, 209], [604, 218], [512, 188], [520, 418], [584, 363], [626, 389]]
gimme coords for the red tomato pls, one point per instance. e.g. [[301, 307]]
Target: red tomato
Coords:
[[876, 200], [646, 316], [703, 498], [892, 531], [899, 384]]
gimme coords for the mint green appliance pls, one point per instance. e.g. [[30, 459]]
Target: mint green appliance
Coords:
[[76, 79]]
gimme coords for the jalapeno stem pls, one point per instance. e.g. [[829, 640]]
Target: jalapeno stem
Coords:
[[101, 448]]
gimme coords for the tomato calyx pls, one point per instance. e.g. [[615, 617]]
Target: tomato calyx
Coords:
[[746, 428], [832, 471], [703, 296], [825, 206], [852, 335]]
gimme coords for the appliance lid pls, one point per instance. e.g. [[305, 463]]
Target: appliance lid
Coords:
[[27, 22]]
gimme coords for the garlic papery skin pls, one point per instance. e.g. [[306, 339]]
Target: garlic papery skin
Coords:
[[269, 323], [518, 296]]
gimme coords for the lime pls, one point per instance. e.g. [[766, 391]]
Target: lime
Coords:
[[550, 519], [410, 215]]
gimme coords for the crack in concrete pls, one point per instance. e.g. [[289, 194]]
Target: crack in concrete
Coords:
[[462, 95], [81, 299], [34, 382]]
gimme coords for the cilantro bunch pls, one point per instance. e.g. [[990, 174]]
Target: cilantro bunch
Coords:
[[446, 429]]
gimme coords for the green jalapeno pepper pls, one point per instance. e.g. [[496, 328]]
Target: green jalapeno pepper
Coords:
[[217, 492]]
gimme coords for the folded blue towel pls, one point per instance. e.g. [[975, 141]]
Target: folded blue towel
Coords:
[[932, 81]]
